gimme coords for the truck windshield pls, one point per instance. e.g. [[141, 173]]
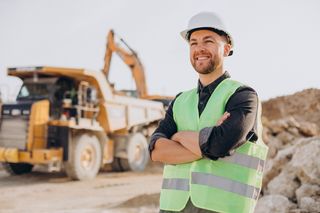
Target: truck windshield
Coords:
[[33, 91]]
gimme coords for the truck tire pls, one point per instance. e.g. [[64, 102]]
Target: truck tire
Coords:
[[85, 157], [137, 153], [17, 168]]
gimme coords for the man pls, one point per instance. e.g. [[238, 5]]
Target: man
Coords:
[[209, 138]]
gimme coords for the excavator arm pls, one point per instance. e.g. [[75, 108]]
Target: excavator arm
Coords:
[[130, 58]]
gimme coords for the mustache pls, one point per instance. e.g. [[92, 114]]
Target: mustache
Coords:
[[201, 53]]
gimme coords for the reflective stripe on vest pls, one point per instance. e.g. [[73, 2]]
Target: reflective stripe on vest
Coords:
[[176, 183], [230, 184], [245, 160], [211, 181], [225, 184]]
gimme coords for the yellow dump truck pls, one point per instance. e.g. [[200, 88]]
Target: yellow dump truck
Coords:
[[73, 120]]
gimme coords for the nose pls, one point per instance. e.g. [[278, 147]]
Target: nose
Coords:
[[200, 47], [200, 50]]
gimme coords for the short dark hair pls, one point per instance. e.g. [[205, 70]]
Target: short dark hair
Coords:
[[219, 32]]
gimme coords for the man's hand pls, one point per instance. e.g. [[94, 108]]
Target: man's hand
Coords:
[[224, 117], [171, 152], [188, 139], [177, 137]]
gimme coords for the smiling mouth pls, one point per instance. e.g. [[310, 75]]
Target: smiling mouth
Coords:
[[202, 58]]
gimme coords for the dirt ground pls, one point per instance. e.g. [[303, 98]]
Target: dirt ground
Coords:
[[110, 192]]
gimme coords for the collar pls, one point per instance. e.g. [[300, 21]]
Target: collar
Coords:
[[212, 86]]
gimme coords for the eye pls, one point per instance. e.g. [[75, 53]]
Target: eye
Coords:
[[193, 43], [209, 41]]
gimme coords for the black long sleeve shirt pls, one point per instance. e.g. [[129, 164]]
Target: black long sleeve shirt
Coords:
[[218, 141]]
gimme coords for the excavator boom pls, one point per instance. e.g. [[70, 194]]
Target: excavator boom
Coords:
[[130, 58]]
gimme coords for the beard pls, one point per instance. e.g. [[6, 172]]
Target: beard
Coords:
[[204, 69]]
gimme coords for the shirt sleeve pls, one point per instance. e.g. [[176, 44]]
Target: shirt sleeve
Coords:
[[220, 141], [166, 128]]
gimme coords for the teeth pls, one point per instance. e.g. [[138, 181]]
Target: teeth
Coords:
[[202, 58]]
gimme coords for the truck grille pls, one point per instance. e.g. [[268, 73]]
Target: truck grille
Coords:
[[14, 132]]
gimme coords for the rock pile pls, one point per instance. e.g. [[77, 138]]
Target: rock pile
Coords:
[[303, 106], [292, 174]]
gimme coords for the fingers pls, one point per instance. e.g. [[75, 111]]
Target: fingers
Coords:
[[224, 117]]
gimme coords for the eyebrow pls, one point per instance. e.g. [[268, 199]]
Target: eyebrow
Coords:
[[206, 37]]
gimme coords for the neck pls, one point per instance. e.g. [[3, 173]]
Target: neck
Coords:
[[206, 79]]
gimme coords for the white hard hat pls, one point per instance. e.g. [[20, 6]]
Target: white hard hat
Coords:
[[207, 20]]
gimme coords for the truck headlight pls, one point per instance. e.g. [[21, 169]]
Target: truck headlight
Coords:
[[15, 112], [25, 112]]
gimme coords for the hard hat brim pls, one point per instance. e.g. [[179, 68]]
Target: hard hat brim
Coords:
[[184, 34]]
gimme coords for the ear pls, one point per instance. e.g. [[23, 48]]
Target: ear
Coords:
[[226, 49]]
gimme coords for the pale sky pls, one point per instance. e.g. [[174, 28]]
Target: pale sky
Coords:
[[276, 50]]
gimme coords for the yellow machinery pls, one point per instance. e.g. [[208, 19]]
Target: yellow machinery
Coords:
[[130, 58], [72, 119]]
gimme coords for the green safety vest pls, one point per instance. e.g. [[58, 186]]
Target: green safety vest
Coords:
[[229, 184]]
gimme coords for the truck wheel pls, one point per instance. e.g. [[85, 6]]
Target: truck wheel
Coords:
[[17, 168], [85, 158], [137, 153]]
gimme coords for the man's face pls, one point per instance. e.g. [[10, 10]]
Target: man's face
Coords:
[[206, 51]]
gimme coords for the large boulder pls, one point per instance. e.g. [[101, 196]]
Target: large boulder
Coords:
[[284, 184], [283, 125], [309, 204], [307, 190], [274, 145], [308, 129], [305, 162], [286, 138], [274, 203], [274, 166], [278, 126]]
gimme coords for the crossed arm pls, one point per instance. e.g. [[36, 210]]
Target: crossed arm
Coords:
[[183, 147]]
